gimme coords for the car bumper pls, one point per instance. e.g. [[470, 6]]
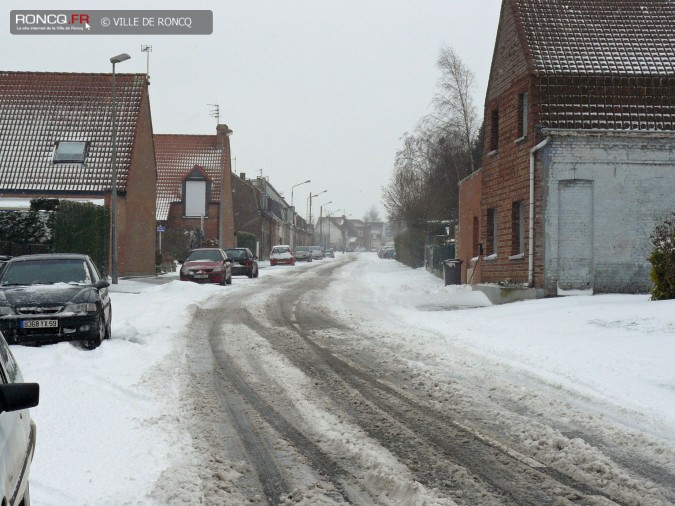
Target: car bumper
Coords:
[[303, 259], [241, 270], [211, 278], [70, 328]]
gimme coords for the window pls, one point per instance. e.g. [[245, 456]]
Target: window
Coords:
[[491, 231], [195, 198], [476, 236], [522, 114], [70, 151], [494, 130], [518, 228]]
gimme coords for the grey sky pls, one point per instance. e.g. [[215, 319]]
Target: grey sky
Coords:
[[319, 90]]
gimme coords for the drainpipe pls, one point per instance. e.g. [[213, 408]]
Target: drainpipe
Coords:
[[530, 253]]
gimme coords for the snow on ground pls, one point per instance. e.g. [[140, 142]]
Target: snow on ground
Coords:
[[107, 423]]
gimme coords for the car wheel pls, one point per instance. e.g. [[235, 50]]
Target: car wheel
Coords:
[[228, 280], [108, 329], [250, 273], [95, 342], [255, 275]]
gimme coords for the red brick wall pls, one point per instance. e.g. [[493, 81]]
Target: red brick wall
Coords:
[[228, 231], [469, 208], [136, 224], [506, 169], [176, 220]]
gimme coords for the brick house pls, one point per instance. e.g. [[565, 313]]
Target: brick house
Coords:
[[56, 142], [276, 209], [579, 160], [248, 213], [194, 188]]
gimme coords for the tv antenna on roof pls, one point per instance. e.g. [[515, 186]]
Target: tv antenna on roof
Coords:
[[147, 49], [215, 112]]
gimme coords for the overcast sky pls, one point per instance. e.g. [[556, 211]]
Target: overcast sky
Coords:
[[317, 89]]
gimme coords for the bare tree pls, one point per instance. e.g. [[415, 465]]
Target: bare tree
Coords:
[[372, 215], [454, 101]]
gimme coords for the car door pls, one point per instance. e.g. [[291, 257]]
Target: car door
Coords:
[[14, 432], [103, 292]]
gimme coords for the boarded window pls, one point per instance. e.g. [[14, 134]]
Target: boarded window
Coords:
[[195, 198], [522, 114], [491, 231], [494, 130], [518, 227]]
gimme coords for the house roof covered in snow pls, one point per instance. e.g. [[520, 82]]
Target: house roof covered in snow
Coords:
[[38, 110], [176, 156], [599, 37]]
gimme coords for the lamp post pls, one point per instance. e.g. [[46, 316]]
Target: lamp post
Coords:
[[309, 220], [304, 182], [321, 223], [113, 197], [294, 213]]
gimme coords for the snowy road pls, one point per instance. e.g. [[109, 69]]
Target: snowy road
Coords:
[[357, 380], [323, 410]]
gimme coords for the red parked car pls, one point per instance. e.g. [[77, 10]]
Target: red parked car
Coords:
[[207, 265], [282, 255]]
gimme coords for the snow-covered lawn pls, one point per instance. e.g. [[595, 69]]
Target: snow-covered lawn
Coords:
[[107, 420]]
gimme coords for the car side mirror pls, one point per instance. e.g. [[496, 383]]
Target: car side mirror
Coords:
[[101, 283], [16, 396]]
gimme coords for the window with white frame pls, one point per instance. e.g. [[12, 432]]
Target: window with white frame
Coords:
[[195, 198]]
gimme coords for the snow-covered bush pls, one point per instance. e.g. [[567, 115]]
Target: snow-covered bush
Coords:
[[662, 259]]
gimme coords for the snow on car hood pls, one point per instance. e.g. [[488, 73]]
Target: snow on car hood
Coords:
[[39, 295]]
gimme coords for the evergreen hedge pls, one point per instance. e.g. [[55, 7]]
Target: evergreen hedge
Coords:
[[662, 259], [247, 240], [82, 227]]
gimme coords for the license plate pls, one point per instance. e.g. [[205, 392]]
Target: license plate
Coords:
[[201, 276], [39, 324]]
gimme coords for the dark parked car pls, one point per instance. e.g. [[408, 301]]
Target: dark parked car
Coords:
[[317, 252], [17, 430], [207, 265], [243, 262], [302, 254], [54, 297], [330, 253], [3, 261]]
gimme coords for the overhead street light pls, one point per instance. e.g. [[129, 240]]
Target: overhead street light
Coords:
[[113, 198], [310, 204], [304, 182]]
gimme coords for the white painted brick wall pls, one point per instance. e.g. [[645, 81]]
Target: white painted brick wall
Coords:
[[633, 179]]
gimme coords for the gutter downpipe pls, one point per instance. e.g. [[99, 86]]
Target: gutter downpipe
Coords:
[[530, 253]]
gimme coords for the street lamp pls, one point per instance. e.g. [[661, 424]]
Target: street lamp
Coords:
[[304, 182], [113, 198], [321, 223], [294, 213], [309, 220]]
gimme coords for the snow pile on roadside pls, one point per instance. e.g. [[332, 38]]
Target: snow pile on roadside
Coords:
[[106, 417]]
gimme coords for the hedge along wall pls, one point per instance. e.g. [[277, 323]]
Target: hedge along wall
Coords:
[[247, 240], [82, 227]]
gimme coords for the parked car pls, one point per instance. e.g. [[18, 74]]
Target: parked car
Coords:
[[317, 252], [3, 261], [330, 253], [17, 430], [302, 254], [49, 298], [207, 265], [243, 262], [282, 255]]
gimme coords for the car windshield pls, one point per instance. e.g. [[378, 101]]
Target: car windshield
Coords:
[[302, 248], [279, 250], [46, 272], [315, 248], [212, 255], [236, 253]]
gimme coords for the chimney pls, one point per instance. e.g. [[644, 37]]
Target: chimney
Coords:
[[242, 175], [223, 132]]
